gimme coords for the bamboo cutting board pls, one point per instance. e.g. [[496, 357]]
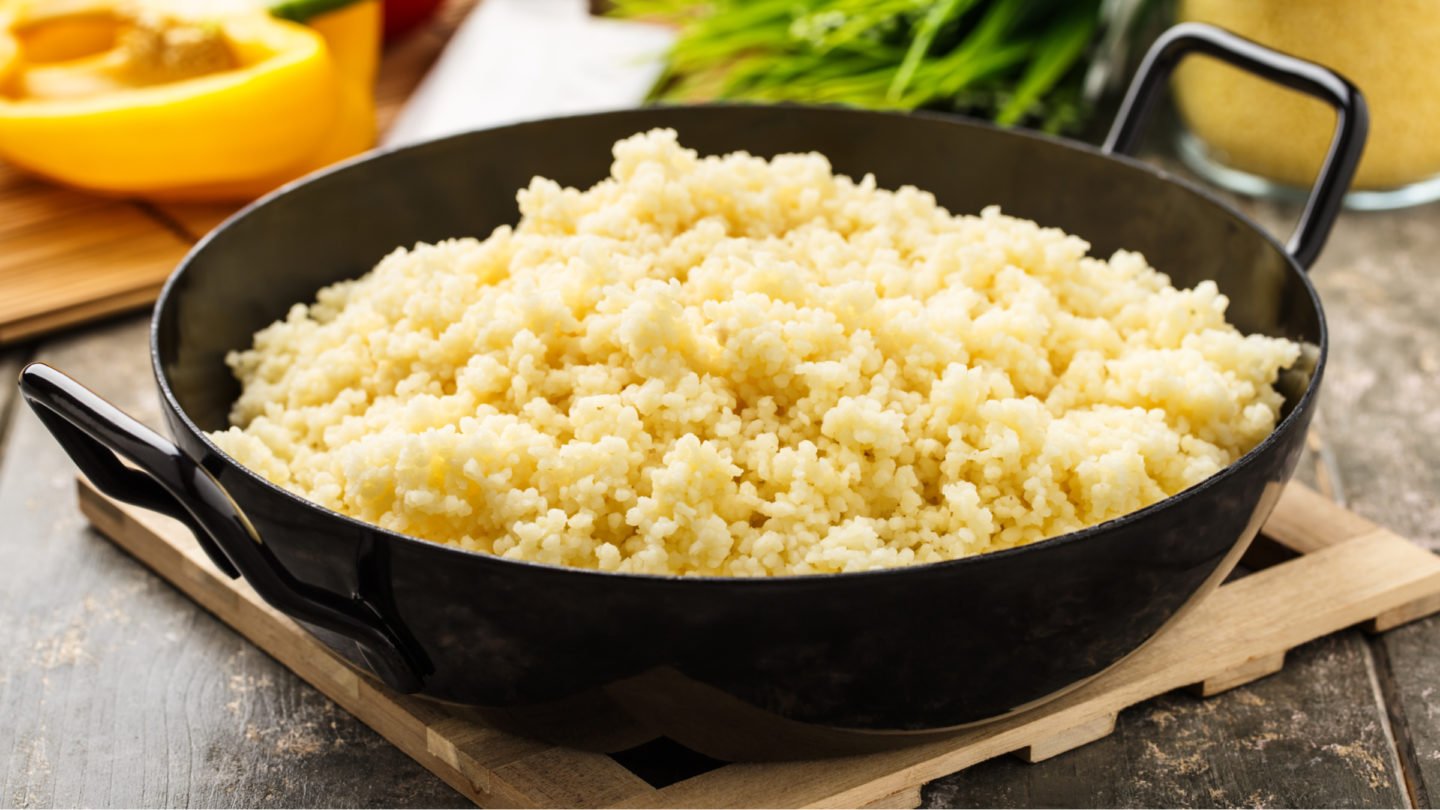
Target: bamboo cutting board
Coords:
[[67, 257], [1342, 570]]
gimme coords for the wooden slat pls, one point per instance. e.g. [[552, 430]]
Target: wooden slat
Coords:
[[1069, 739], [1240, 632], [1404, 614], [1247, 672], [909, 797], [1275, 609], [1307, 521]]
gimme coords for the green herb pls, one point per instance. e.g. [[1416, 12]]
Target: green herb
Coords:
[[1056, 53], [939, 14], [1014, 61]]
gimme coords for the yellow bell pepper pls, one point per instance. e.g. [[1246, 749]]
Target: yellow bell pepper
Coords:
[[185, 99]]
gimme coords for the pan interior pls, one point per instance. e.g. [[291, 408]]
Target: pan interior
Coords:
[[339, 225]]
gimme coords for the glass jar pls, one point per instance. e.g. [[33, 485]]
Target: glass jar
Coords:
[[1256, 137]]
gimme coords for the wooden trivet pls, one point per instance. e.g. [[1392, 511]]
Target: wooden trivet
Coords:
[[1345, 571]]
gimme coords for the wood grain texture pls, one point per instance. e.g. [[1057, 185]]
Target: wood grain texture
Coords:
[[1239, 622], [1065, 740], [1309, 736], [1262, 666], [1236, 635], [67, 256], [1381, 295], [115, 690]]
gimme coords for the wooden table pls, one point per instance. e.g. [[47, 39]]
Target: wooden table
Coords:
[[117, 691]]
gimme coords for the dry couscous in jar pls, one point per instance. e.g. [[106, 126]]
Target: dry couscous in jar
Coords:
[[1256, 137]]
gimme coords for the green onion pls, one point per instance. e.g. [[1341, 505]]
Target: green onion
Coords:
[[1055, 54], [940, 14], [1014, 61]]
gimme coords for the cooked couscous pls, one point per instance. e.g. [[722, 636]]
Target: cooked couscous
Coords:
[[733, 366]]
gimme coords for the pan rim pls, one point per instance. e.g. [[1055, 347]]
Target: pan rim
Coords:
[[1302, 406]]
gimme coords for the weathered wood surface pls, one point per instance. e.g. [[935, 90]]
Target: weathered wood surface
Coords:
[[1381, 415], [1311, 736], [116, 691], [1351, 570]]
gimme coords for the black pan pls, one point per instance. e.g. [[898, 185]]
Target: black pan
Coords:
[[734, 667]]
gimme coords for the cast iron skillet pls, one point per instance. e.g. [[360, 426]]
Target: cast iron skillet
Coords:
[[734, 667]]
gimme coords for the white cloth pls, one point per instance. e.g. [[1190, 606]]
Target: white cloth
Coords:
[[518, 60]]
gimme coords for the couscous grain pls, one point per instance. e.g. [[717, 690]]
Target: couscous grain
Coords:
[[733, 366]]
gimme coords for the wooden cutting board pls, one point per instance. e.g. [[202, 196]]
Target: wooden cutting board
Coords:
[[67, 257]]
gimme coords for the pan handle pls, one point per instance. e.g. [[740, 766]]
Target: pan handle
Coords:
[[1352, 118], [96, 435]]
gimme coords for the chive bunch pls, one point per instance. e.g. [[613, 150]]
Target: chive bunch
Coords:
[[1013, 61]]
